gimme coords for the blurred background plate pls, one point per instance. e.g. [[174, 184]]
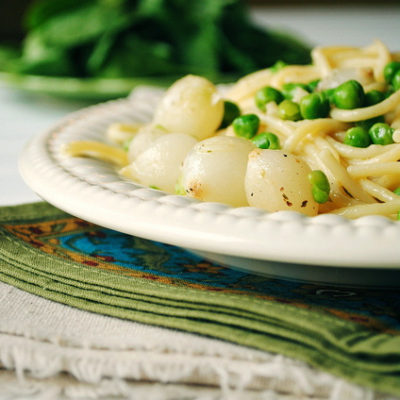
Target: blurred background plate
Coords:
[[91, 89], [95, 89]]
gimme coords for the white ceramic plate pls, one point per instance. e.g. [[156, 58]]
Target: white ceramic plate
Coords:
[[325, 248]]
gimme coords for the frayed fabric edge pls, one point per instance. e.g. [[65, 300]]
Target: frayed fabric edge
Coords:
[[64, 387], [42, 360]]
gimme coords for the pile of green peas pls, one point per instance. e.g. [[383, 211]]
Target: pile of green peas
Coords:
[[360, 136], [349, 95], [317, 104], [247, 126], [375, 130]]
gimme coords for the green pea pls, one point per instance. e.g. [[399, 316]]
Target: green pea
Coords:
[[266, 95], [266, 140], [313, 85], [319, 195], [396, 81], [320, 187], [278, 66], [328, 93], [246, 126], [231, 111], [314, 105], [288, 89], [381, 133], [319, 179], [357, 137], [367, 123], [390, 70], [374, 97], [397, 191], [289, 110], [349, 95]]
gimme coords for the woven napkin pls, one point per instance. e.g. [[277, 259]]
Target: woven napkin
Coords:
[[352, 333]]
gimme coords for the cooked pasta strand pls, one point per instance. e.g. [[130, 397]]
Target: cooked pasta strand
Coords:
[[324, 144], [362, 210], [376, 169], [337, 194], [248, 85], [351, 152], [277, 125], [391, 154], [378, 191], [295, 73], [360, 114], [311, 128], [342, 176], [98, 150]]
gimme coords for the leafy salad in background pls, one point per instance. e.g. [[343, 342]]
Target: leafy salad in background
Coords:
[[154, 40]]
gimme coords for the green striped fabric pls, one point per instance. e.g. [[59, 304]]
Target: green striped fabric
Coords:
[[353, 333]]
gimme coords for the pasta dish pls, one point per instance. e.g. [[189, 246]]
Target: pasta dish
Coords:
[[318, 138]]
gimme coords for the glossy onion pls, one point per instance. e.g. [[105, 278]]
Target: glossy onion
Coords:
[[215, 169], [160, 165], [144, 139], [277, 180], [192, 106]]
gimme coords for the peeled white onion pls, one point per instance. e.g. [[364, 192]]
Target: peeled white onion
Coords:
[[277, 180], [215, 169], [144, 138], [192, 106], [160, 165]]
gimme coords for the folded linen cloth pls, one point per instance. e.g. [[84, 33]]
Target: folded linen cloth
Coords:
[[353, 333], [51, 348]]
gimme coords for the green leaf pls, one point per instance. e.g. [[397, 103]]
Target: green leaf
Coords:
[[8, 55], [100, 53], [81, 25], [202, 50], [44, 10], [234, 59], [135, 56], [40, 59], [150, 38], [150, 8]]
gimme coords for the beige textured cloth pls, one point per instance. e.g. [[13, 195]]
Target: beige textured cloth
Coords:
[[48, 350]]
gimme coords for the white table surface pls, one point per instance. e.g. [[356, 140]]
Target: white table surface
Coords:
[[22, 116], [330, 24]]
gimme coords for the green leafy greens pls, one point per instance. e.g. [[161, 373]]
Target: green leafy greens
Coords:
[[127, 38]]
